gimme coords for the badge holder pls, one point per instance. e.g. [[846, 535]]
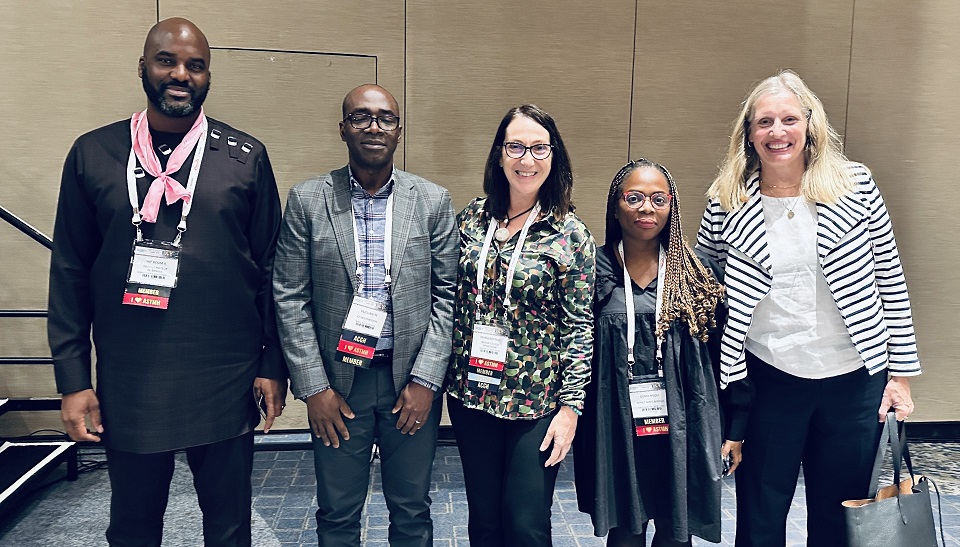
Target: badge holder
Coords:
[[648, 402], [361, 331], [488, 353], [152, 274]]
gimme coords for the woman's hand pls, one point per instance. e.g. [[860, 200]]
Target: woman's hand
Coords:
[[733, 450], [562, 429], [897, 396]]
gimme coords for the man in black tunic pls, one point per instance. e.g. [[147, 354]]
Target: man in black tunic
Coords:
[[164, 242]]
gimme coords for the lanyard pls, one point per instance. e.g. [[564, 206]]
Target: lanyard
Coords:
[[387, 244], [134, 172], [631, 317], [512, 268]]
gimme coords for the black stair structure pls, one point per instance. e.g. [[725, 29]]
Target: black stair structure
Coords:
[[24, 463]]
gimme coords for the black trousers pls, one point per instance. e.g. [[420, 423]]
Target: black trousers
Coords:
[[140, 486], [830, 428], [406, 464], [509, 492]]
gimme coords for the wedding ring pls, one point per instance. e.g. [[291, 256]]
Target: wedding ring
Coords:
[[417, 421]]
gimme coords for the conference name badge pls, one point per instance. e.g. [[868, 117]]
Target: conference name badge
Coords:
[[152, 274], [488, 353], [648, 401], [361, 330]]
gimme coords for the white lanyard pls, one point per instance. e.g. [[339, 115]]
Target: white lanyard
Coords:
[[512, 268], [628, 297], [191, 184], [387, 244]]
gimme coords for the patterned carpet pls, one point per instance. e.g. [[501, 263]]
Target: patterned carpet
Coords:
[[75, 514]]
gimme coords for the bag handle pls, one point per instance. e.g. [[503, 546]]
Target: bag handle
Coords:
[[898, 448], [895, 434], [878, 460]]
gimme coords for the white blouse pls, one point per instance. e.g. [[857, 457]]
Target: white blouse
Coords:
[[797, 326]]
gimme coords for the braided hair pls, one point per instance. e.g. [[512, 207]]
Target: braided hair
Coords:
[[690, 292]]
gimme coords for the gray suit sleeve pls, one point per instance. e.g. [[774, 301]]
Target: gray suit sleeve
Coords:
[[434, 357], [292, 290]]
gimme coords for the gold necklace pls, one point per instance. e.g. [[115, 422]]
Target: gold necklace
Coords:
[[777, 186], [790, 213]]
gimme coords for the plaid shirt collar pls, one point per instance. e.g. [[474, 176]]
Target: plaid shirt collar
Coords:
[[357, 190]]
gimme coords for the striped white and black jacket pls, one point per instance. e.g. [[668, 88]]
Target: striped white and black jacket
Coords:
[[858, 257]]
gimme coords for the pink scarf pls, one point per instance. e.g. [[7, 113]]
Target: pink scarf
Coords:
[[164, 184]]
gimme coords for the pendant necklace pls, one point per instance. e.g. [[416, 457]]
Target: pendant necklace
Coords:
[[503, 234], [790, 213]]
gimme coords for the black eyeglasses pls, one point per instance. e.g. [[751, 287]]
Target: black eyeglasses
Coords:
[[517, 150], [658, 200], [387, 122]]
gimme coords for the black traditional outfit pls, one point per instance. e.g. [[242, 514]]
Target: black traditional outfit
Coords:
[[180, 377], [624, 480]]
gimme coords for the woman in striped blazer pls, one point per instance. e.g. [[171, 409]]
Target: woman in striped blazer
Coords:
[[818, 311]]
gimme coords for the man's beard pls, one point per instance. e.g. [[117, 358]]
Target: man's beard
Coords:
[[156, 97]]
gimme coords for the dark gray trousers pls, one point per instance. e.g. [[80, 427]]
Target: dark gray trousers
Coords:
[[406, 464]]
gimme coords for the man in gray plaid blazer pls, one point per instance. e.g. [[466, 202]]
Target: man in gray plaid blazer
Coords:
[[364, 281]]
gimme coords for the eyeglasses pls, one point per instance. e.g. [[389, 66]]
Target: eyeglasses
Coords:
[[658, 200], [387, 122], [516, 150]]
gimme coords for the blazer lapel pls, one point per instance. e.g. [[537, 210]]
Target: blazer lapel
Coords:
[[836, 220], [745, 230], [404, 207], [340, 209]]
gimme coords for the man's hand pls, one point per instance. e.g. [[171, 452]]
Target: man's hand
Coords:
[[733, 449], [414, 406], [562, 429], [274, 393], [897, 396], [325, 412], [75, 408]]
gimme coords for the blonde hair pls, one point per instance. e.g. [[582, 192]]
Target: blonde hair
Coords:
[[690, 292], [825, 178]]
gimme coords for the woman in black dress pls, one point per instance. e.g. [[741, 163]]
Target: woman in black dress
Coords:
[[652, 440]]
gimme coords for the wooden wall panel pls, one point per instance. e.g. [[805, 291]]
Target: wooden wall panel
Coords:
[[469, 63], [695, 61], [902, 124], [307, 26], [291, 102], [456, 68]]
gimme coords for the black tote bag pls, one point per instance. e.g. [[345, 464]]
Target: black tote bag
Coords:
[[898, 515]]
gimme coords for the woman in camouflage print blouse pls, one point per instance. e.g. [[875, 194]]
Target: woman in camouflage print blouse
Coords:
[[523, 331]]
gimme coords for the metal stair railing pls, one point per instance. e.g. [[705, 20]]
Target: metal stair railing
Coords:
[[24, 464], [48, 403]]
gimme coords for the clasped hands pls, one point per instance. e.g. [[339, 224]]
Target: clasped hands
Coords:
[[327, 410]]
